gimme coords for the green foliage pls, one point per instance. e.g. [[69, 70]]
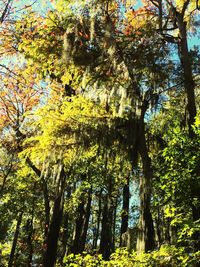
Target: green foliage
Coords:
[[72, 151], [83, 260], [166, 256]]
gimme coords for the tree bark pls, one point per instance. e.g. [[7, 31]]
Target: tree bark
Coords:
[[14, 244], [50, 254], [97, 230], [46, 207], [145, 241], [86, 221], [78, 227], [125, 210], [53, 233], [65, 233], [186, 63], [64, 237], [114, 222], [30, 231], [106, 245]]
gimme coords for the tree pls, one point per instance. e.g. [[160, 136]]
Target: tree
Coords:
[[96, 104]]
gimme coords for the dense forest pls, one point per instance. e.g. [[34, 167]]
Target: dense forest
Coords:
[[99, 133]]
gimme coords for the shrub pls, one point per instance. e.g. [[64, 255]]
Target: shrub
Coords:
[[166, 256]]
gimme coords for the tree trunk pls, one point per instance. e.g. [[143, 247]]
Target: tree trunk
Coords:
[[46, 207], [14, 244], [114, 222], [145, 241], [106, 245], [86, 221], [53, 233], [65, 233], [78, 228], [187, 72], [64, 237], [158, 227], [125, 210], [97, 230], [29, 241]]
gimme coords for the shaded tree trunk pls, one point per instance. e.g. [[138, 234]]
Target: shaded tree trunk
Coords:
[[64, 237], [145, 241], [30, 235], [14, 244], [125, 210], [65, 233], [86, 221], [53, 233], [158, 221], [187, 72], [81, 226], [106, 245], [114, 222], [46, 207], [178, 18], [50, 253], [76, 248], [97, 230]]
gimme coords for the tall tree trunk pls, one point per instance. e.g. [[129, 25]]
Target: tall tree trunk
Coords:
[[50, 254], [145, 241], [125, 210], [30, 231], [53, 233], [158, 227], [114, 222], [65, 233], [187, 72], [105, 233], [86, 221], [97, 230], [106, 245], [29, 241], [78, 227], [14, 244], [64, 237], [189, 84], [46, 207]]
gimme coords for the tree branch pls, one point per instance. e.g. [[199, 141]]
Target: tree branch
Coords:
[[33, 167]]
